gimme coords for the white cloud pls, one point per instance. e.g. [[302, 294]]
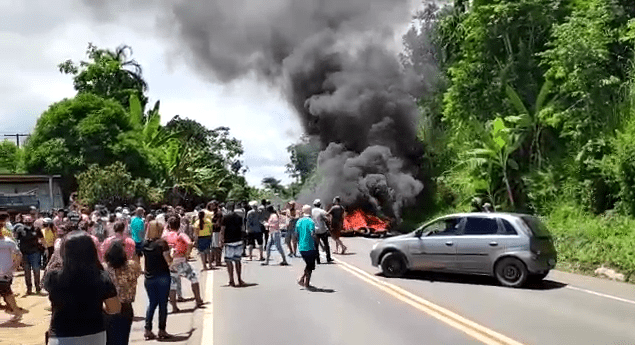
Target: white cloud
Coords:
[[36, 35]]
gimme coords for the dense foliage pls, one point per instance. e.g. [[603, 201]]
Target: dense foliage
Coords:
[[112, 150], [534, 112]]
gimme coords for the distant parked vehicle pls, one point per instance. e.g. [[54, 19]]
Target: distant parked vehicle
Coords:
[[513, 248]]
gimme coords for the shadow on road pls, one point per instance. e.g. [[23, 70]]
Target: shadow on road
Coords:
[[317, 289], [246, 285], [345, 254], [475, 280], [178, 337], [14, 323]]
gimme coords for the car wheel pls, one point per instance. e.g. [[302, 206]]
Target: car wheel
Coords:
[[511, 272], [393, 265], [536, 278]]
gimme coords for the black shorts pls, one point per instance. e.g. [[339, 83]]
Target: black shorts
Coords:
[[253, 238], [309, 256], [5, 288]]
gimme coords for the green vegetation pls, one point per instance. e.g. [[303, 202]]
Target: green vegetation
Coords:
[[535, 112], [111, 148]]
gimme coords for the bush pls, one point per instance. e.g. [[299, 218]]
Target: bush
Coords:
[[113, 185], [585, 241]]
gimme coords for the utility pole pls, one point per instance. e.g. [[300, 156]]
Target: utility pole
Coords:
[[17, 137]]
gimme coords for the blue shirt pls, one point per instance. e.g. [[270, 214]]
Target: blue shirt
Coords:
[[305, 228], [137, 229]]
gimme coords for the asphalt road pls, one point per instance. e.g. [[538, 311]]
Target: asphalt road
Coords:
[[355, 305]]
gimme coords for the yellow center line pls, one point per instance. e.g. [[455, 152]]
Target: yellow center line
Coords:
[[471, 328], [207, 337]]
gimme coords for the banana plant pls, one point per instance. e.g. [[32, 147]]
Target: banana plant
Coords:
[[528, 119], [498, 145], [152, 133]]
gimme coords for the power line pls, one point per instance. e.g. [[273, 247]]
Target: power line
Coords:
[[17, 137]]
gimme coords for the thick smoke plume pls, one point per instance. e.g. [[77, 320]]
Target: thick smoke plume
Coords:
[[332, 60]]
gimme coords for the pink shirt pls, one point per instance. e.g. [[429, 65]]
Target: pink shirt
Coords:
[[128, 243], [178, 241], [274, 223]]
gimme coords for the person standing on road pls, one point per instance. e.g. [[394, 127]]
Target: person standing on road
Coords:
[[231, 235], [157, 259], [203, 227], [29, 240], [124, 274], [321, 229], [217, 219], [129, 244], [292, 236], [137, 232], [305, 227], [254, 230], [9, 260], [180, 245], [80, 293], [274, 232], [49, 239], [337, 214]]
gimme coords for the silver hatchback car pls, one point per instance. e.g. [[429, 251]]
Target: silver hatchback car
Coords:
[[513, 248]]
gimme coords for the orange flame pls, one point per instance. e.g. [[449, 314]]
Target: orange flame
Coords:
[[358, 220]]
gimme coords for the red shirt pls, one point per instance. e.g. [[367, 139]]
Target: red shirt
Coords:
[[178, 241]]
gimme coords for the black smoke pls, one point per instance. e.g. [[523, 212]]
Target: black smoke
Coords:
[[334, 60]]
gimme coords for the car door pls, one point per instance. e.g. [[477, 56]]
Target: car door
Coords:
[[478, 243], [435, 249]]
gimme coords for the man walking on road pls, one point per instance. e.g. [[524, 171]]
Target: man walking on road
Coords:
[[305, 227], [321, 229], [231, 235], [137, 232], [29, 239], [337, 214], [254, 231]]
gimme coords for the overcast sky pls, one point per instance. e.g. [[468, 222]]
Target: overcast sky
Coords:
[[36, 35]]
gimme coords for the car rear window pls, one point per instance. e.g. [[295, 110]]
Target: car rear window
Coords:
[[538, 228]]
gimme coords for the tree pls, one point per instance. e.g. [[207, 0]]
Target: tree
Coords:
[[109, 74], [273, 184], [113, 185], [10, 157], [78, 132], [303, 156]]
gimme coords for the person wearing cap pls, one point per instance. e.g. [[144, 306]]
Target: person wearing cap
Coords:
[[254, 231], [337, 214], [305, 227], [321, 229]]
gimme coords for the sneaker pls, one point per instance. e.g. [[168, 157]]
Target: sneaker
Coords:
[[264, 264], [284, 263]]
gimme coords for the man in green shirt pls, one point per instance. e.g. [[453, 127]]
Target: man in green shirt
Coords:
[[305, 228]]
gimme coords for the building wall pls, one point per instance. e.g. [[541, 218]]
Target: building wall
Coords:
[[41, 190]]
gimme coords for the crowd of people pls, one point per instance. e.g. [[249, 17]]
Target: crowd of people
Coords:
[[92, 260]]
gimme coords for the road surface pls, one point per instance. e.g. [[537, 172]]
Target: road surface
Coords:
[[355, 305]]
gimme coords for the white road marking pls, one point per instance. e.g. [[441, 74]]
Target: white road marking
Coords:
[[601, 294], [207, 337]]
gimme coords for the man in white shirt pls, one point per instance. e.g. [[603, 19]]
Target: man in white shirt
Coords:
[[321, 229], [9, 259]]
